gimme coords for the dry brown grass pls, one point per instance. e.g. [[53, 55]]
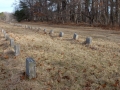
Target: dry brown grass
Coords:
[[62, 63]]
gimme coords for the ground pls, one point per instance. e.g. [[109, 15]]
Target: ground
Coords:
[[61, 63]]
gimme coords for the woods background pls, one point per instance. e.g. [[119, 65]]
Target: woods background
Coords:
[[93, 12]]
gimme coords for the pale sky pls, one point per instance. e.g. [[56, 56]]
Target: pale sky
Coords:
[[6, 5]]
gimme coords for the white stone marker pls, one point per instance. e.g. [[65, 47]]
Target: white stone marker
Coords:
[[4, 33], [51, 32], [88, 40], [17, 49], [30, 68], [11, 42], [61, 34], [2, 30], [75, 36], [45, 32], [7, 37]]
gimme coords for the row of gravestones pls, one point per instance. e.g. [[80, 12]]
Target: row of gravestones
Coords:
[[12, 43], [88, 40], [30, 63]]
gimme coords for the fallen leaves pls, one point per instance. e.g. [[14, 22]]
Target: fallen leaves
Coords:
[[116, 83], [104, 85], [6, 57], [66, 77]]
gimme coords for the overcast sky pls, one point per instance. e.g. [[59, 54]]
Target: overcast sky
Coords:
[[6, 5]]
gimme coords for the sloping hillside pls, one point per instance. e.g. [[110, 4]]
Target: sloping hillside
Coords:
[[62, 63]]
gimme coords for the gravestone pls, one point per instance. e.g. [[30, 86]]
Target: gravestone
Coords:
[[61, 34], [4, 33], [30, 68], [17, 49], [75, 36], [51, 32], [45, 32], [12, 42], [7, 37], [2, 30], [88, 40]]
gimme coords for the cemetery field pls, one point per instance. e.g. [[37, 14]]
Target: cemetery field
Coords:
[[61, 62]]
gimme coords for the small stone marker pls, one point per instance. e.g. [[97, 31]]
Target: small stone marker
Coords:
[[12, 42], [17, 49], [30, 68], [61, 34], [45, 32], [88, 40], [51, 32], [75, 36], [7, 37], [4, 33], [2, 30]]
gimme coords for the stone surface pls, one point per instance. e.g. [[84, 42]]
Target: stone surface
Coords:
[[2, 30], [45, 32], [30, 68], [75, 36], [12, 42], [61, 34], [17, 49], [6, 35], [51, 32], [88, 40]]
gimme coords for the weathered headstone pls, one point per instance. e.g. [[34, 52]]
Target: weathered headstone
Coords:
[[45, 32], [7, 37], [12, 42], [88, 40], [17, 49], [30, 68], [75, 36], [26, 26], [4, 33], [2, 30], [51, 32], [61, 34]]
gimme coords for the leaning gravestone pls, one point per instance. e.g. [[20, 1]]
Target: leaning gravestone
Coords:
[[30, 68], [17, 49], [88, 40], [61, 34], [12, 42], [75, 36]]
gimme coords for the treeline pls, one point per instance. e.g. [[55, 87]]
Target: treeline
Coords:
[[104, 12]]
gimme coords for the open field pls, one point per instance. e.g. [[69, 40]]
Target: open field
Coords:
[[62, 63]]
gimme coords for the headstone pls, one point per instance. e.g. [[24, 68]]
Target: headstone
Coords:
[[61, 34], [2, 30], [51, 32], [88, 40], [30, 68], [17, 49], [75, 36], [12, 42], [26, 26], [45, 32], [7, 37]]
